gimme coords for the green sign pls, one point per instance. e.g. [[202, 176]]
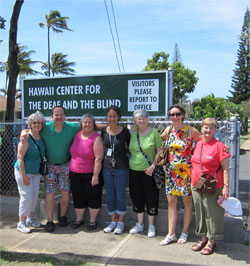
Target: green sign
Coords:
[[94, 94]]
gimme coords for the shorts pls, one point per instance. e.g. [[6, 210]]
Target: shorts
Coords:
[[58, 174]]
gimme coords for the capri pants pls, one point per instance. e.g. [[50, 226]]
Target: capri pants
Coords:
[[28, 194]]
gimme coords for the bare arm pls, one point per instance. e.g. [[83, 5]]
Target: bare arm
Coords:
[[194, 134], [24, 135], [99, 154], [21, 151], [165, 133], [226, 178], [149, 171]]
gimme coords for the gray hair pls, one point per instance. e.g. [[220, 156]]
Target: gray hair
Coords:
[[139, 113], [89, 116], [36, 117]]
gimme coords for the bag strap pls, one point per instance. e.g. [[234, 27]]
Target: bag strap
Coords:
[[36, 145], [167, 138], [143, 153], [201, 162]]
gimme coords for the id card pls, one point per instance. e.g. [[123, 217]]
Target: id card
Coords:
[[109, 152]]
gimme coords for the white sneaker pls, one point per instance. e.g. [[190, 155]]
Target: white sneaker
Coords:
[[21, 226], [32, 222], [151, 230], [110, 227], [137, 229], [119, 228]]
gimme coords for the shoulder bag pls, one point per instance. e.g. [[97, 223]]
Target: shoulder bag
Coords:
[[158, 174], [206, 183], [44, 168], [162, 156]]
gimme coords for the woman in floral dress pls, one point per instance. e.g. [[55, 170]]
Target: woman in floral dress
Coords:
[[178, 183]]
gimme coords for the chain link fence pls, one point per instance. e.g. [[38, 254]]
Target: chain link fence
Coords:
[[10, 134]]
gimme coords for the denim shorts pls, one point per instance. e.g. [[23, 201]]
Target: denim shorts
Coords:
[[58, 174]]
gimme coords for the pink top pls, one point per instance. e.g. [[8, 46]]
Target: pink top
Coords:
[[212, 155], [82, 154]]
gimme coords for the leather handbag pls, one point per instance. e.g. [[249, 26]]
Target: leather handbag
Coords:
[[162, 156], [206, 183]]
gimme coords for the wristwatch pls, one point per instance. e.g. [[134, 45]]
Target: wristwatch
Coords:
[[226, 185]]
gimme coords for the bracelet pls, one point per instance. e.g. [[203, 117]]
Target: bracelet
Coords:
[[226, 185], [153, 166]]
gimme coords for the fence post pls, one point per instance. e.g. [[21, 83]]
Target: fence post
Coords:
[[235, 157]]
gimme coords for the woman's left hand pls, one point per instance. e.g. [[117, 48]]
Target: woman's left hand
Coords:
[[225, 195], [149, 171], [225, 192], [94, 180]]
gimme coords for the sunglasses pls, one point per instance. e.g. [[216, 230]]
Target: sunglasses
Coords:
[[35, 123], [176, 114]]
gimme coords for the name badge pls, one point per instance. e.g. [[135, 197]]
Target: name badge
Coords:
[[109, 152]]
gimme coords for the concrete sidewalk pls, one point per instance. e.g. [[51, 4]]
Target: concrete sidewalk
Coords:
[[108, 249]]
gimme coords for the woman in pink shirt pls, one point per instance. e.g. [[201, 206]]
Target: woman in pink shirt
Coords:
[[85, 166], [209, 216]]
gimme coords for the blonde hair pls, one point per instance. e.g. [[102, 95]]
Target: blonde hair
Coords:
[[209, 121]]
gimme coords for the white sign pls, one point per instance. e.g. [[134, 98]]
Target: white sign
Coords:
[[143, 94]]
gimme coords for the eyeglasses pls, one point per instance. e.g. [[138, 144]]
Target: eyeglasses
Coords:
[[176, 114], [35, 123]]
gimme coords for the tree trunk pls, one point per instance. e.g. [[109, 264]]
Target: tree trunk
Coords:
[[7, 150]]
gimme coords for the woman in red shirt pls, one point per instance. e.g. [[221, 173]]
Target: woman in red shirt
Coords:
[[208, 215]]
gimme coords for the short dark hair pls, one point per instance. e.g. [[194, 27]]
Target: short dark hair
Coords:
[[178, 107], [58, 106], [116, 109]]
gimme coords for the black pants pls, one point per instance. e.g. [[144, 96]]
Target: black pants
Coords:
[[83, 193], [143, 192]]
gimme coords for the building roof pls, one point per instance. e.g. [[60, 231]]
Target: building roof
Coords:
[[3, 103]]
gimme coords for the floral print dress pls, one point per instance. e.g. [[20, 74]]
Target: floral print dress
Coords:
[[178, 170]]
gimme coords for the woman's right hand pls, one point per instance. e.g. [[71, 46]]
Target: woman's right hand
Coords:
[[26, 180]]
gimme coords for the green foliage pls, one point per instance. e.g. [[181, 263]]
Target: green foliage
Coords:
[[2, 23], [241, 77], [177, 55], [57, 23], [184, 78], [59, 65], [184, 81], [159, 61], [218, 108]]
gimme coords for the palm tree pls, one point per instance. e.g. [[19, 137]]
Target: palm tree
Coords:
[[24, 62], [59, 65], [57, 23]]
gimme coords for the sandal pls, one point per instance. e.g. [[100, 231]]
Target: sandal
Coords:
[[168, 239], [77, 224], [92, 225], [183, 238], [208, 249], [199, 246]]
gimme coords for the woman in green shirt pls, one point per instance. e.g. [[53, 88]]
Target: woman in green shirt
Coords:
[[144, 144]]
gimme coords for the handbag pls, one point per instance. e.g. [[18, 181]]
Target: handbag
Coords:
[[206, 183], [162, 156], [44, 166], [158, 174]]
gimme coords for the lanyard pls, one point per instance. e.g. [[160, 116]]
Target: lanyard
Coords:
[[112, 144]]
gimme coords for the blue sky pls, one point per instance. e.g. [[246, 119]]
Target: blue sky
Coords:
[[207, 33]]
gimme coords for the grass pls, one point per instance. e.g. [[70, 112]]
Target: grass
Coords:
[[11, 258]]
